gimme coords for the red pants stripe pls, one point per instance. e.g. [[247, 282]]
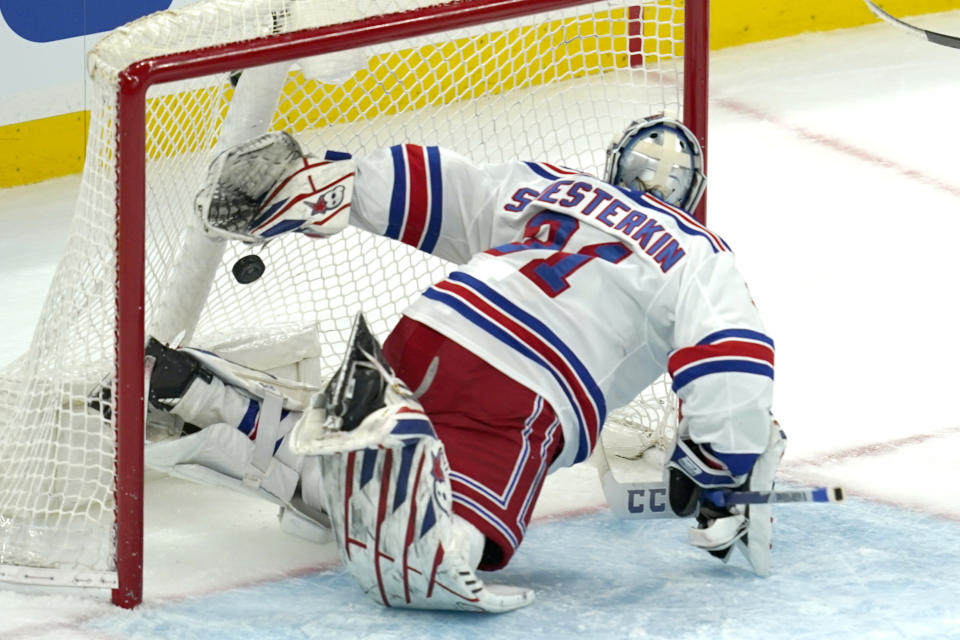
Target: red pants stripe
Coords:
[[498, 435]]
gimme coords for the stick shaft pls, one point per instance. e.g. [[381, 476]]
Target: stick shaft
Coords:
[[725, 497], [931, 36]]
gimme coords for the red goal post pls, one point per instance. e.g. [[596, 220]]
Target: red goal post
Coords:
[[132, 149]]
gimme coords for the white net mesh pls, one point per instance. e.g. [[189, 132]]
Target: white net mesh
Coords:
[[553, 87]]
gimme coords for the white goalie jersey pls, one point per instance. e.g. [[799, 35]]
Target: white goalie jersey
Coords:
[[583, 292]]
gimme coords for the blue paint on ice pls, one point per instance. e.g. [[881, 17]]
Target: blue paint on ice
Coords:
[[857, 570]]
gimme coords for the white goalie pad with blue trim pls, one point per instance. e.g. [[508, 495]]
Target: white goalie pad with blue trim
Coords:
[[391, 509]]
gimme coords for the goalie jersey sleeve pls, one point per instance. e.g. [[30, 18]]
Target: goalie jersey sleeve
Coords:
[[579, 291], [723, 369], [436, 200]]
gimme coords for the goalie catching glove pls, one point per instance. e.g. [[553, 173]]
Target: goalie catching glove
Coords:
[[719, 530], [268, 186]]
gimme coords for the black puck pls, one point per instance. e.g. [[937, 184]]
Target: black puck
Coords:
[[248, 269]]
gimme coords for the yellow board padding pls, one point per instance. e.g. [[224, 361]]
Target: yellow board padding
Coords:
[[51, 147], [41, 149], [434, 74], [185, 121], [738, 22], [465, 68]]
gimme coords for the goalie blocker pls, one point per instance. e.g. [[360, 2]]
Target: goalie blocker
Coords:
[[696, 484]]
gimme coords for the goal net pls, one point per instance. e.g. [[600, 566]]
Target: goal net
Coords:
[[494, 79]]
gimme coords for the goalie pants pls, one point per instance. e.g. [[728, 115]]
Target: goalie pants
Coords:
[[499, 436]]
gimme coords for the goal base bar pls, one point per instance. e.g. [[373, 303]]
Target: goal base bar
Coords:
[[59, 577]]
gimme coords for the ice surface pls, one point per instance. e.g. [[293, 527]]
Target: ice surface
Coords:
[[833, 175]]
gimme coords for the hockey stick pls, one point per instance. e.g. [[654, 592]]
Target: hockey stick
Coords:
[[930, 36], [725, 497], [650, 499]]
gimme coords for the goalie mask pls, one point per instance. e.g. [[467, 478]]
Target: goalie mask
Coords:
[[661, 156]]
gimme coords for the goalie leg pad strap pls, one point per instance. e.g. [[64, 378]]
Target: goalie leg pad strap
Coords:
[[391, 512], [268, 433], [256, 412], [225, 456]]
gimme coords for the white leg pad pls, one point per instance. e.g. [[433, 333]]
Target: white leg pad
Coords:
[[760, 516], [391, 512], [221, 455]]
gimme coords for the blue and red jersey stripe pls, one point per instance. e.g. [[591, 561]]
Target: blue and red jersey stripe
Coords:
[[529, 337], [730, 350], [687, 223], [416, 202], [550, 171]]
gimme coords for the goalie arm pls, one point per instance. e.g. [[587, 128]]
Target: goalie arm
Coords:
[[439, 201], [723, 367], [722, 373], [428, 197]]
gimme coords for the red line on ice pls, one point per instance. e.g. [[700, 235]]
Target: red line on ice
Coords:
[[839, 146]]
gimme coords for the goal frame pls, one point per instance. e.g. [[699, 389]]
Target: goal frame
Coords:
[[136, 80]]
